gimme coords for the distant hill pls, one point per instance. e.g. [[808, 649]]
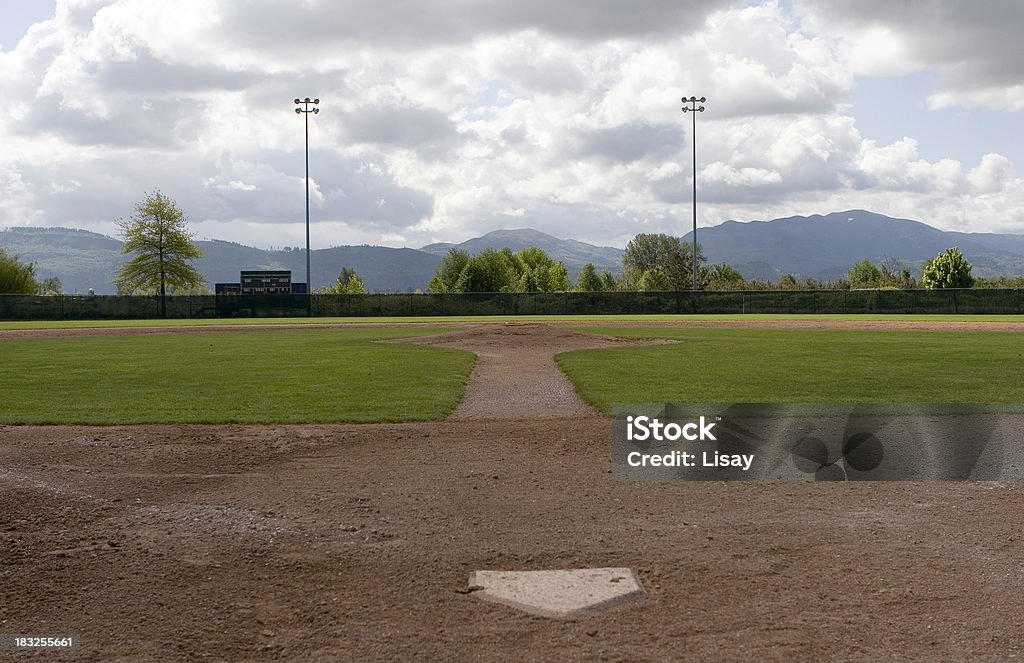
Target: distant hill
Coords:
[[573, 253], [79, 258], [383, 269], [83, 260], [824, 247]]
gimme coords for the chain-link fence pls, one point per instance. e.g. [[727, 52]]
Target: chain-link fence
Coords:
[[99, 307]]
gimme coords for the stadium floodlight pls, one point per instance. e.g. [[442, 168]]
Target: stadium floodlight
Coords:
[[694, 109], [305, 111]]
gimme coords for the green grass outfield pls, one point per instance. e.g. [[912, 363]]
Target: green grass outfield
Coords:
[[440, 320], [813, 366], [319, 375], [340, 374]]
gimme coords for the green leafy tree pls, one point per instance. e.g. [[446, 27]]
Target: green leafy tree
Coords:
[[588, 279], [348, 283], [556, 277], [530, 259], [723, 276], [449, 273], [499, 270], [158, 237], [759, 284], [51, 285], [660, 262], [657, 279], [949, 269], [896, 275], [787, 282], [537, 272], [608, 282], [490, 271], [16, 277], [812, 284], [864, 274], [891, 273]]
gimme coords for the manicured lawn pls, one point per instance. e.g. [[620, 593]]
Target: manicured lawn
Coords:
[[801, 366], [440, 320], [245, 377]]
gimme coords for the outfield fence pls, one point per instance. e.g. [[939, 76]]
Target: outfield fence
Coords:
[[101, 307]]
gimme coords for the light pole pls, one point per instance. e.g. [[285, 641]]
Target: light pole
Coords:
[[305, 111], [693, 108]]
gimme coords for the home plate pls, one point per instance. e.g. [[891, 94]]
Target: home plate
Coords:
[[565, 594]]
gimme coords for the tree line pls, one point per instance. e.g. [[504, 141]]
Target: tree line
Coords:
[[659, 262], [162, 249]]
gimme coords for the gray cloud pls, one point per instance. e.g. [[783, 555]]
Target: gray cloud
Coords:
[[130, 122], [280, 89], [400, 127], [977, 44], [80, 14], [263, 187], [514, 135], [268, 187], [631, 142], [362, 190], [417, 23], [549, 77], [145, 74]]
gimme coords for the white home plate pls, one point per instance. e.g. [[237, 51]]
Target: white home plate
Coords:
[[564, 594]]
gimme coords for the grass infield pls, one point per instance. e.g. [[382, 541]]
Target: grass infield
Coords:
[[800, 366], [335, 375]]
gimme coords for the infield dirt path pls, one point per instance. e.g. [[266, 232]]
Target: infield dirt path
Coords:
[[355, 542], [515, 371]]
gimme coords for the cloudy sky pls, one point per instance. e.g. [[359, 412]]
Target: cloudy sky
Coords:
[[443, 119]]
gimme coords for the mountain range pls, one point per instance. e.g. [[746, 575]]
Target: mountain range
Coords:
[[824, 247], [821, 247]]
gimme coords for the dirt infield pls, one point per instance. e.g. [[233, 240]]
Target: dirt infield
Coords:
[[355, 542]]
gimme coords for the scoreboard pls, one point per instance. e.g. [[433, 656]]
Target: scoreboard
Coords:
[[273, 282]]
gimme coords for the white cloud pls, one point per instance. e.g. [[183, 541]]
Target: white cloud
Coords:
[[878, 50], [975, 45], [895, 167], [442, 121], [993, 175]]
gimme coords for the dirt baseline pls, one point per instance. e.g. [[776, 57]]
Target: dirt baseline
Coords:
[[356, 542]]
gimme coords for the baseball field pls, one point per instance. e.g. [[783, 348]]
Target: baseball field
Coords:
[[321, 490]]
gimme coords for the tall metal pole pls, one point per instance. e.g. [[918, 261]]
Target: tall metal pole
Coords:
[[693, 108], [305, 110], [306, 117]]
